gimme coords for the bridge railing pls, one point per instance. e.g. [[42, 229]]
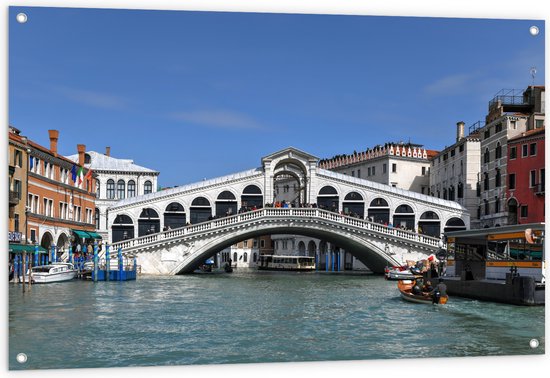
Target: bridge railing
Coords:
[[280, 213]]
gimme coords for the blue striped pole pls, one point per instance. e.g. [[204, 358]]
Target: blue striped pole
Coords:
[[16, 268], [35, 254], [332, 256], [316, 261], [120, 266], [95, 262], [71, 254], [107, 262], [326, 261]]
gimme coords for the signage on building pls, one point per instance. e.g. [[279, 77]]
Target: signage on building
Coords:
[[14, 236]]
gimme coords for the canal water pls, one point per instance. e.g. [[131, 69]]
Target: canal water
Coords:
[[253, 317]]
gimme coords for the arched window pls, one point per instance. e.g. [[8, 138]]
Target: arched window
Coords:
[[460, 191], [454, 224], [328, 199], [235, 257], [497, 205], [131, 188], [121, 189], [486, 181], [87, 159], [497, 178], [252, 197], [111, 189], [147, 187], [97, 190], [245, 257], [486, 207]]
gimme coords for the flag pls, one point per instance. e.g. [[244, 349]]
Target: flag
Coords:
[[73, 173], [80, 175], [88, 174]]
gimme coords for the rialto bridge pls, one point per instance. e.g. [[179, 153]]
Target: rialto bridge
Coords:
[[172, 231]]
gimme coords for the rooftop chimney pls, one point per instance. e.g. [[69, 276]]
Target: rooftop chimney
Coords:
[[108, 151], [81, 150], [459, 131], [54, 135]]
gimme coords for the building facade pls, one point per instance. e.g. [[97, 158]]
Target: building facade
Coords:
[[510, 114], [455, 170], [526, 174], [17, 161], [401, 165], [117, 179], [61, 198]]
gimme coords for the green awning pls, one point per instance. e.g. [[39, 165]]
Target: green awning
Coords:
[[82, 234], [19, 248], [94, 235]]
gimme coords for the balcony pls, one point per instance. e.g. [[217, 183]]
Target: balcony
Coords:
[[14, 198], [539, 189], [511, 100]]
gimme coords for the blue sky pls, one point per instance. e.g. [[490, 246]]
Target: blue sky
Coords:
[[202, 94]]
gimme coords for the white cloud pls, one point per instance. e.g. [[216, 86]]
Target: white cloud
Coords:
[[452, 84], [221, 119], [93, 99]]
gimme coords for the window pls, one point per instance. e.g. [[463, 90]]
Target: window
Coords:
[[368, 171], [255, 243], [111, 189], [121, 189], [245, 257], [33, 236], [532, 178], [394, 167], [245, 244], [87, 159], [147, 187], [131, 188], [497, 178], [513, 125], [96, 216], [486, 181], [262, 243], [17, 188], [16, 222], [452, 152], [497, 205], [373, 171], [539, 123], [486, 207], [384, 168], [498, 128], [285, 244], [478, 189], [524, 211], [532, 149], [461, 148], [97, 191], [524, 150], [511, 181], [353, 173], [513, 152], [487, 133], [445, 157], [18, 158], [423, 171], [460, 190], [359, 173], [235, 257], [498, 151], [486, 156]]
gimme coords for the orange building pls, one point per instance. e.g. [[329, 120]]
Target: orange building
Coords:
[[60, 209], [18, 185]]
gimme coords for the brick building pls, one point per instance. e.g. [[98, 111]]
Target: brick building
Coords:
[[60, 210], [17, 163], [525, 190]]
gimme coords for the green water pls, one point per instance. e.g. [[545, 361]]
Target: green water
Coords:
[[253, 317]]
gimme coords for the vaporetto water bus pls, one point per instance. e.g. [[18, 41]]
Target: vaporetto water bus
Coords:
[[503, 264], [291, 263]]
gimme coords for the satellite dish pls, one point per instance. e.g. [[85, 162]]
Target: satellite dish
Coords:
[[530, 236]]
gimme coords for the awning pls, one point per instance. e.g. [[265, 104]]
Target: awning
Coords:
[[94, 235], [82, 234], [19, 248]]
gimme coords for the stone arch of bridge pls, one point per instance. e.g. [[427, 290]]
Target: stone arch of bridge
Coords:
[[367, 252], [295, 169]]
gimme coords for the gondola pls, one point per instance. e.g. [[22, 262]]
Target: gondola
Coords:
[[405, 288]]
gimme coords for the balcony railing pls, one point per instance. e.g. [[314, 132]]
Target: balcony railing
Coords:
[[539, 189], [14, 198]]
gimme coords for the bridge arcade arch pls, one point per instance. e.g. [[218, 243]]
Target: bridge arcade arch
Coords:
[[148, 222], [174, 215], [328, 199], [226, 204], [200, 210]]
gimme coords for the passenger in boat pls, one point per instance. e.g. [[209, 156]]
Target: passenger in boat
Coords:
[[427, 287], [416, 289], [439, 291]]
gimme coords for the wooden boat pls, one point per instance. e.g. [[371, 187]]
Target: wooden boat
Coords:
[[405, 288]]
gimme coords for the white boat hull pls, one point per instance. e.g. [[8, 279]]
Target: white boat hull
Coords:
[[55, 277]]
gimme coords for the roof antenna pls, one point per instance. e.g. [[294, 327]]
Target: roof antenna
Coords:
[[533, 72]]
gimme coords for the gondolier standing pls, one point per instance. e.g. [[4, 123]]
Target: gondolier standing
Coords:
[[439, 291]]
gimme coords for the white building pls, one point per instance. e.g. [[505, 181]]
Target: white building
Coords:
[[455, 170], [117, 179], [401, 165]]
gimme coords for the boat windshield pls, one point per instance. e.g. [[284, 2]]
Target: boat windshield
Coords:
[[41, 269]]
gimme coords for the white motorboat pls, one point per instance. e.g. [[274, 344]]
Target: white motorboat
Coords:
[[55, 272]]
